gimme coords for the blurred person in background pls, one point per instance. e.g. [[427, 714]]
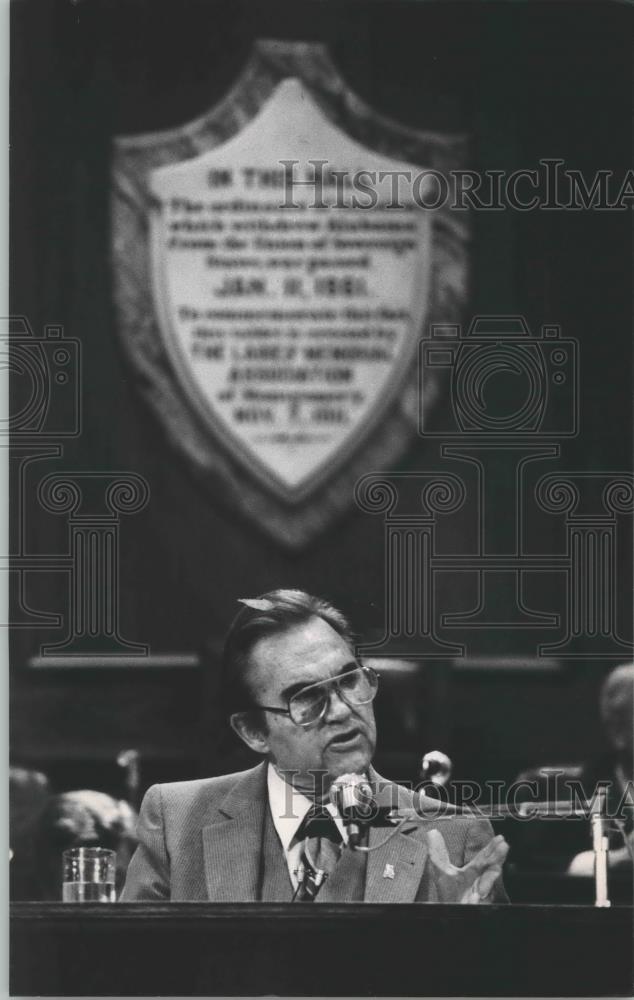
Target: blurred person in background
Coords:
[[29, 792], [565, 845], [615, 769], [83, 818]]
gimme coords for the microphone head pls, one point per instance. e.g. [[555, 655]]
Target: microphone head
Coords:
[[436, 767], [352, 797]]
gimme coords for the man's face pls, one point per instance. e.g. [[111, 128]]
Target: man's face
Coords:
[[343, 740]]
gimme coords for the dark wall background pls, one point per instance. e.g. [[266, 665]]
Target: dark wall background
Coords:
[[527, 81]]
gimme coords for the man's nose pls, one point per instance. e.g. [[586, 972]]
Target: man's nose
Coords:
[[337, 708]]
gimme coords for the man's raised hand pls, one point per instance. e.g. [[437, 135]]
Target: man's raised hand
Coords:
[[472, 883]]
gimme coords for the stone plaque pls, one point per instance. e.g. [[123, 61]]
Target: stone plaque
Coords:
[[290, 320], [273, 303]]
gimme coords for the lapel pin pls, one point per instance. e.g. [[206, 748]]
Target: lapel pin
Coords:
[[388, 871]]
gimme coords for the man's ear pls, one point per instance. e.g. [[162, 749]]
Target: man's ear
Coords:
[[249, 728]]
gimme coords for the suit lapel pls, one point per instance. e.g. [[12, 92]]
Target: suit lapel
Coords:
[[395, 866], [275, 881], [395, 871], [232, 843]]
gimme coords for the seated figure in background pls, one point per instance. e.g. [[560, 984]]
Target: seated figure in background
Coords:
[[82, 818], [616, 767], [565, 845], [29, 791]]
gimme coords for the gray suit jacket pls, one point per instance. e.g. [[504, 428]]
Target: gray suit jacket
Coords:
[[201, 841]]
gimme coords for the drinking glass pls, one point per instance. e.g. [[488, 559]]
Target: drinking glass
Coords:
[[88, 875]]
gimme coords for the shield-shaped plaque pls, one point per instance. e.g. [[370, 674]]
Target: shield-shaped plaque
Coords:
[[274, 273], [291, 312]]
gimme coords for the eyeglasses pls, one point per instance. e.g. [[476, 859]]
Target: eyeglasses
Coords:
[[355, 687]]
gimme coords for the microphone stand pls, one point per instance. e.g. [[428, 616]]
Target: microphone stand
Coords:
[[129, 760], [600, 849]]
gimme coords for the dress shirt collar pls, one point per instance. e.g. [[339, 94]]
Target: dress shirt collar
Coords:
[[289, 807]]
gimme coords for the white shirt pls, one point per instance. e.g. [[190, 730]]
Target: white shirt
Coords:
[[288, 809]]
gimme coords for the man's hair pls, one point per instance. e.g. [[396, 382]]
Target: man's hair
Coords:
[[270, 614]]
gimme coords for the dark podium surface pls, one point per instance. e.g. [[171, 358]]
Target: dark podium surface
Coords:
[[360, 950]]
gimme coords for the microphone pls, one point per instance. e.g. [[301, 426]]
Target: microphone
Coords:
[[436, 767], [351, 795]]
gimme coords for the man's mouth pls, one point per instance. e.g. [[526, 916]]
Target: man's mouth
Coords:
[[344, 740]]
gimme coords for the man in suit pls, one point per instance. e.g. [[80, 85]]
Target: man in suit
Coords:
[[298, 697]]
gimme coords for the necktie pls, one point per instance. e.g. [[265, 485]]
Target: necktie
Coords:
[[320, 852]]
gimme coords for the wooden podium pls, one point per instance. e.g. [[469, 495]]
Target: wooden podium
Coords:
[[253, 949]]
